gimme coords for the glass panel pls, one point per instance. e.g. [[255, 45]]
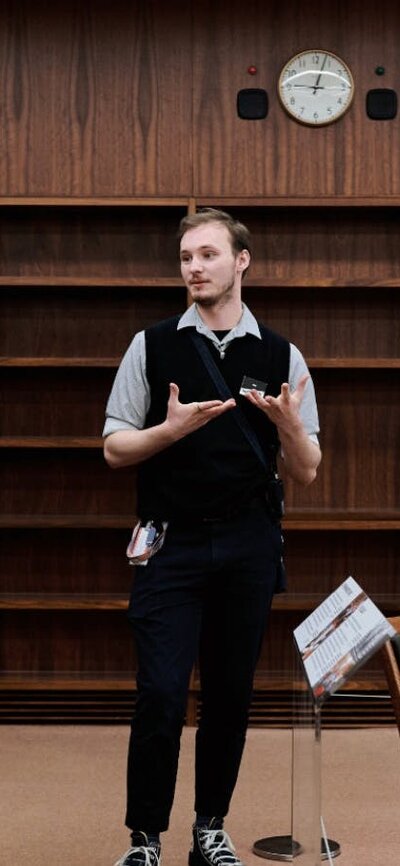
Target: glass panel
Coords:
[[306, 771]]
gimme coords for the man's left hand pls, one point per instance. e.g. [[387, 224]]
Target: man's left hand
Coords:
[[284, 409]]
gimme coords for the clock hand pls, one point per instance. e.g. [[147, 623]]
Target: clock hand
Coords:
[[319, 76], [321, 86]]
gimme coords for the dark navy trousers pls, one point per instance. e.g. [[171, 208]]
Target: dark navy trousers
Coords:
[[205, 595]]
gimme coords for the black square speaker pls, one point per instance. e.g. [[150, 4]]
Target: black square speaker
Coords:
[[382, 104], [252, 103]]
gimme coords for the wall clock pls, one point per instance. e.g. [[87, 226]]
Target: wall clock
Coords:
[[316, 87]]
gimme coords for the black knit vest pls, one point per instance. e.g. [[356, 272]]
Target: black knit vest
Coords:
[[209, 470]]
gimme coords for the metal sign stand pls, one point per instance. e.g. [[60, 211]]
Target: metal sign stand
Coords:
[[332, 642], [305, 841]]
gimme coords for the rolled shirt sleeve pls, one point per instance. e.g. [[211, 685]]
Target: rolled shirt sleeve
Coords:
[[129, 400], [308, 408]]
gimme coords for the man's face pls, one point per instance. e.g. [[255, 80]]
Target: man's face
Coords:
[[209, 267]]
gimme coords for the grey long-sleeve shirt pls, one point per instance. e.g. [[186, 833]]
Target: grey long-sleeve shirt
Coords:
[[129, 400]]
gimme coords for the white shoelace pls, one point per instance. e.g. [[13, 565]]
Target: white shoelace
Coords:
[[219, 847], [149, 853]]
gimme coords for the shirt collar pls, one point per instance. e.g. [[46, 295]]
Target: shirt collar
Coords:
[[247, 324]]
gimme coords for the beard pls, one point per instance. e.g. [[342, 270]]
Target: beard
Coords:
[[206, 302], [220, 298]]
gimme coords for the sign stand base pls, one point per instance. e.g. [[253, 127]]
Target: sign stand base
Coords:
[[286, 848]]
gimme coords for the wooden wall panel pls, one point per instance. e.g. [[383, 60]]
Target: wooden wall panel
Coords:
[[96, 98], [83, 323], [93, 561], [323, 246], [88, 242], [332, 323], [77, 485], [47, 402], [359, 417], [66, 642], [278, 156], [138, 98], [317, 561], [64, 561]]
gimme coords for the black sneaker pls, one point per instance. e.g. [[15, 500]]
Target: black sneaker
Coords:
[[141, 853], [212, 847]]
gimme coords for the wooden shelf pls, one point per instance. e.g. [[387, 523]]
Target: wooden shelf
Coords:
[[346, 524], [66, 680], [113, 362], [51, 442], [202, 201], [67, 601], [354, 363], [336, 524], [322, 282], [337, 519], [119, 601], [94, 201], [49, 361], [310, 521], [80, 274], [309, 601], [94, 281], [125, 680], [65, 521], [57, 280], [324, 201]]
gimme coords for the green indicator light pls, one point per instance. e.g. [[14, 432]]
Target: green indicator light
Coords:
[[380, 70]]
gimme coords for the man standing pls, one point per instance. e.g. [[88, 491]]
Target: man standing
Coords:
[[207, 592]]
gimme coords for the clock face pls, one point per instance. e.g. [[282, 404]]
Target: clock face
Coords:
[[316, 87]]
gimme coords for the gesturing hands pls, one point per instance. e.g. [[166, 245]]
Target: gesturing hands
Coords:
[[185, 418], [284, 409]]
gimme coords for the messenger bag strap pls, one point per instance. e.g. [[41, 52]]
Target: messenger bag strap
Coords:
[[225, 394]]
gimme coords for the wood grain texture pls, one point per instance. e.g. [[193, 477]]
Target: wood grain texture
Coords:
[[359, 417], [348, 323], [65, 642], [278, 156], [56, 601], [65, 561], [102, 100], [89, 242], [77, 520], [55, 403], [91, 104], [139, 99], [100, 642], [77, 483], [322, 246], [78, 323], [320, 561], [112, 601], [290, 246], [359, 472]]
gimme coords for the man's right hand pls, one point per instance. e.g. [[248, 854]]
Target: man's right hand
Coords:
[[185, 418], [129, 447]]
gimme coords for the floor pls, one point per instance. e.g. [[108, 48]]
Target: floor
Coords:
[[62, 795]]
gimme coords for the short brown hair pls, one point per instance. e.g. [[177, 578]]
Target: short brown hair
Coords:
[[239, 233]]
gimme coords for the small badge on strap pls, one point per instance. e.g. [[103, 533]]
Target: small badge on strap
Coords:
[[250, 384]]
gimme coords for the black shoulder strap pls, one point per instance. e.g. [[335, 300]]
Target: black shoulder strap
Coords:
[[225, 394]]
